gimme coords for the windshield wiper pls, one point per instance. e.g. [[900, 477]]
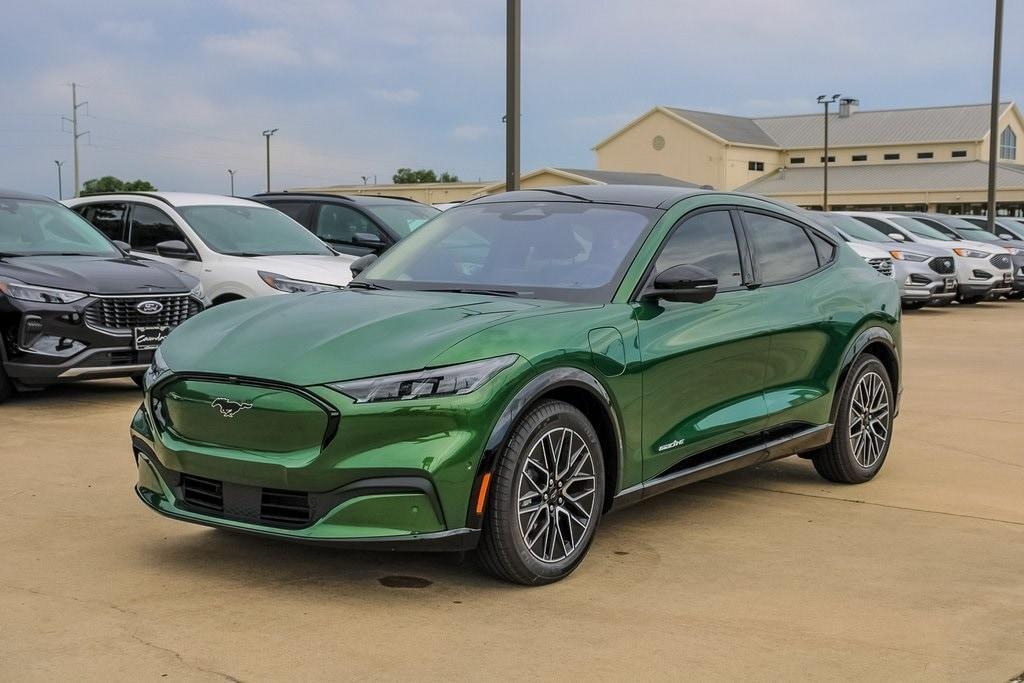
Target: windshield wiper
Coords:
[[485, 292], [361, 284]]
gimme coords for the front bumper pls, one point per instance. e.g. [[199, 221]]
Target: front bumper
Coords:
[[919, 282]]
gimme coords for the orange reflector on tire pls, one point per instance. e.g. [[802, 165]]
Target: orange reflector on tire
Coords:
[[481, 497]]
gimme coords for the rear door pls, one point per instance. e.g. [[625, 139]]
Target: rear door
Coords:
[[703, 375], [108, 217], [300, 212]]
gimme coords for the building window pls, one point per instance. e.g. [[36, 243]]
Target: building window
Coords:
[[796, 160], [1008, 144], [959, 153], [859, 157], [831, 159], [925, 155], [891, 156], [755, 165]]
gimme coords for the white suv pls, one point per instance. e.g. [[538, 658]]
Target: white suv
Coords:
[[982, 270], [236, 247]]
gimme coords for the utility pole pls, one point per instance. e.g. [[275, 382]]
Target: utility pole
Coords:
[[75, 104], [60, 184], [993, 133], [513, 28], [231, 172], [826, 101], [267, 134]]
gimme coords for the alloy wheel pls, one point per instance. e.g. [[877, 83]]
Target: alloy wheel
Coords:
[[556, 494], [869, 419]]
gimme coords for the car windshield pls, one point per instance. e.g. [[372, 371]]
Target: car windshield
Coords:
[[855, 229], [30, 227], [251, 231], [916, 227], [977, 234], [403, 218], [1011, 227], [571, 251]]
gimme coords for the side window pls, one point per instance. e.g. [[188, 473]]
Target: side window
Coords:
[[707, 240], [826, 250], [880, 226], [108, 217], [297, 211], [340, 224], [784, 250], [149, 226]]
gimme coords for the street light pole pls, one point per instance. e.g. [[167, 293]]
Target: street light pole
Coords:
[[993, 133], [60, 184], [267, 134], [231, 172], [513, 26], [826, 101]]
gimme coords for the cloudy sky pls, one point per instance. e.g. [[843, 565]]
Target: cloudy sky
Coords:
[[180, 91]]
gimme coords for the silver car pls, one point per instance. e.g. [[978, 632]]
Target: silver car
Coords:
[[925, 273]]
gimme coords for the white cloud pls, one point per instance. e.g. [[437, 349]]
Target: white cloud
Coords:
[[470, 133], [399, 96], [259, 46]]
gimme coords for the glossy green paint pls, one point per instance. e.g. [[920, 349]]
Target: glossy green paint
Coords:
[[680, 377]]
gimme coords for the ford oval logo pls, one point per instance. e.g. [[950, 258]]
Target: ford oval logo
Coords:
[[149, 307]]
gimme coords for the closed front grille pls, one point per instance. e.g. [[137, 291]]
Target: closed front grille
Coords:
[[203, 493], [882, 265], [284, 507], [1001, 261], [124, 314], [942, 264]]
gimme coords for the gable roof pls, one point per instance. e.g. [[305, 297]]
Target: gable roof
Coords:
[[938, 175], [595, 177], [737, 129]]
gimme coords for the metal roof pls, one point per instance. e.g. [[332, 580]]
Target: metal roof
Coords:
[[627, 177], [172, 198], [634, 195], [863, 127], [939, 175]]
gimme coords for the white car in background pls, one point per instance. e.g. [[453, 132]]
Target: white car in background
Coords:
[[237, 248], [982, 270]]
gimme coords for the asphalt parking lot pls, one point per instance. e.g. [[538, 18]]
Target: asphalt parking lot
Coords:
[[770, 573]]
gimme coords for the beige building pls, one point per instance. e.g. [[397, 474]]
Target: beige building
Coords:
[[428, 193], [930, 158], [555, 177]]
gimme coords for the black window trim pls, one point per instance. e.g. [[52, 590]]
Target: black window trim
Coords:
[[958, 153], [746, 276], [128, 229], [859, 157], [809, 230]]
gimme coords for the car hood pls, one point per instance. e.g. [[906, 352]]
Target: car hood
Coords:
[[331, 270], [962, 244], [306, 339], [97, 275]]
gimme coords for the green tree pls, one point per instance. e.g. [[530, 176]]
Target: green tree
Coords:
[[109, 183], [422, 175]]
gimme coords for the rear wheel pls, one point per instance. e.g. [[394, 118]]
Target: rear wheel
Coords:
[[6, 386], [863, 429], [914, 305], [547, 495], [971, 300]]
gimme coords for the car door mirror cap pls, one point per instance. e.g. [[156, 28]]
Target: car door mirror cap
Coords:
[[682, 283], [123, 246], [897, 237], [176, 249], [361, 263]]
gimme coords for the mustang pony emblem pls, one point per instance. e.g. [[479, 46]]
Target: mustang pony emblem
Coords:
[[229, 408]]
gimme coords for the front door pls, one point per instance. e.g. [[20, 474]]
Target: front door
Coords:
[[703, 364], [148, 227]]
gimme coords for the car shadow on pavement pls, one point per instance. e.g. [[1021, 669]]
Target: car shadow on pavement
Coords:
[[99, 391]]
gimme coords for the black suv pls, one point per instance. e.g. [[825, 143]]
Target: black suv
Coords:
[[352, 224], [73, 304]]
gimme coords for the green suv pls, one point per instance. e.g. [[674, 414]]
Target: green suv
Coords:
[[521, 365]]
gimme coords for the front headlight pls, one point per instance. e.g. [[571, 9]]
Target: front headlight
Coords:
[[42, 295], [451, 380], [971, 253], [156, 371], [293, 286], [900, 255]]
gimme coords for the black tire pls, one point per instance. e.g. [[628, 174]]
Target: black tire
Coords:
[[504, 549], [971, 300], [914, 305], [138, 380], [840, 461], [6, 386]]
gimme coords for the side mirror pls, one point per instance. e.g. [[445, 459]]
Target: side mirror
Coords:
[[368, 240], [123, 246], [360, 264], [897, 237], [688, 283], [175, 249]]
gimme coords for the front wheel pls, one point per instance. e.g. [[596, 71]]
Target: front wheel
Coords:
[[6, 386], [863, 429], [546, 498]]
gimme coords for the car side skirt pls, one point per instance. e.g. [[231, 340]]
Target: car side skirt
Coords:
[[771, 449]]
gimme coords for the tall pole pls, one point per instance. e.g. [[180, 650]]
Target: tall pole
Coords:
[[993, 133], [231, 172], [267, 134], [75, 105], [826, 101], [60, 184], [513, 27]]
